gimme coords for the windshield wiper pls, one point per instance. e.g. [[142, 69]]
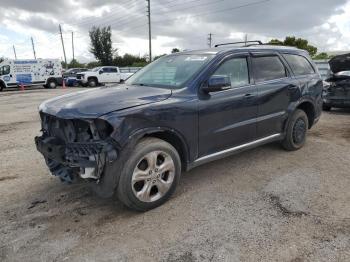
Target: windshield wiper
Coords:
[[142, 84]]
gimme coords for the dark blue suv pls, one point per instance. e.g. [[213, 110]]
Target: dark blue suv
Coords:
[[180, 111]]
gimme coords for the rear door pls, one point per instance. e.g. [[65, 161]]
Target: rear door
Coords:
[[228, 118], [275, 92], [310, 83]]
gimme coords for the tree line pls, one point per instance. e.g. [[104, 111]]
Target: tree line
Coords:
[[102, 49]]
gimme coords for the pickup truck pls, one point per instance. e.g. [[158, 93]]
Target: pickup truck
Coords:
[[102, 75]]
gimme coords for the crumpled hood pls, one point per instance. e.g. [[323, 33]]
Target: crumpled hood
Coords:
[[93, 103], [340, 63]]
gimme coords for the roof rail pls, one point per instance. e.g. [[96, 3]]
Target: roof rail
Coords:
[[243, 42]]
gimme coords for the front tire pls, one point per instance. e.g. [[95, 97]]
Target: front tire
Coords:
[[150, 175], [296, 131], [92, 82]]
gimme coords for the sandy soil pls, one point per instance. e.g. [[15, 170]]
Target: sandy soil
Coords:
[[262, 205]]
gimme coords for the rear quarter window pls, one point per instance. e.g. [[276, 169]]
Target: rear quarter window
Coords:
[[299, 64], [267, 68]]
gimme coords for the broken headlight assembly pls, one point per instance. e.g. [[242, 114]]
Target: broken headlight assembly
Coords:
[[74, 147]]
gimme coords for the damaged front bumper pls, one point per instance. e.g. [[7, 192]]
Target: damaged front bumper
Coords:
[[67, 160]]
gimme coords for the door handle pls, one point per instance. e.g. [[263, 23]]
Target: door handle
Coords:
[[248, 96]]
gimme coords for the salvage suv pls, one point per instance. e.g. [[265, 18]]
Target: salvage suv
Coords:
[[180, 111]]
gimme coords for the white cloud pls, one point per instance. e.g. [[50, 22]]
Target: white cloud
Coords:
[[183, 24]]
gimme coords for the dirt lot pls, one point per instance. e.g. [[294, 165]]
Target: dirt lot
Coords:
[[262, 205]]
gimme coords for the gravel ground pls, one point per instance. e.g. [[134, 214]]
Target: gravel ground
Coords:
[[261, 205]]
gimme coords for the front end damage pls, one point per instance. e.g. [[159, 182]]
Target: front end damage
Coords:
[[75, 148]]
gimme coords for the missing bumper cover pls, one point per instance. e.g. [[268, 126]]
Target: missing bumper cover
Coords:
[[86, 159]]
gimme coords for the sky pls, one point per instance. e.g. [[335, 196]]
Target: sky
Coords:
[[184, 24]]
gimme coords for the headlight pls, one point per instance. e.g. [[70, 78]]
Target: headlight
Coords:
[[103, 127]]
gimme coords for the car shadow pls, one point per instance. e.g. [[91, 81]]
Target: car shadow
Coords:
[[339, 111]]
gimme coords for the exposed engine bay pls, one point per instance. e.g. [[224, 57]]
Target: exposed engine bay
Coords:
[[74, 147]]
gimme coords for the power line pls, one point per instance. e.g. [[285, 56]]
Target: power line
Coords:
[[217, 11], [193, 6]]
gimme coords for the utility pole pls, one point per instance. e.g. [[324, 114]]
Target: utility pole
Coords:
[[33, 48], [14, 51], [73, 44], [245, 39], [149, 29], [64, 51], [210, 39]]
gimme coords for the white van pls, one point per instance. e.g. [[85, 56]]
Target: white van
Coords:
[[46, 72]]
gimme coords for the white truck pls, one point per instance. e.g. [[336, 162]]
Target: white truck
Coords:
[[102, 75], [29, 72]]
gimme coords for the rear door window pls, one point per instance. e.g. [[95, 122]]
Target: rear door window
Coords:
[[299, 64], [267, 68], [113, 70]]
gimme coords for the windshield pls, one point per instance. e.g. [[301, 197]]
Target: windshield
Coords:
[[170, 71], [96, 69], [69, 70]]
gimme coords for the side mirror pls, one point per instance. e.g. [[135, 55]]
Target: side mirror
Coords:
[[217, 83], [100, 72]]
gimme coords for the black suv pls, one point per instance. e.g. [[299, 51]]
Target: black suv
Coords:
[[180, 111]]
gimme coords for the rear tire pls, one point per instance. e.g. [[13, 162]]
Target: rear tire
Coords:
[[52, 84], [150, 175], [296, 131]]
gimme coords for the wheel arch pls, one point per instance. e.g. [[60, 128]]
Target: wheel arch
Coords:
[[171, 136], [2, 85], [51, 79], [309, 109], [94, 78]]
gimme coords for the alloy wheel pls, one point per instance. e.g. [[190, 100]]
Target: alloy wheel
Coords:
[[153, 176]]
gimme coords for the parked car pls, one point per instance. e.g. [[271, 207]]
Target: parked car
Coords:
[[29, 72], [102, 75], [70, 76], [181, 111], [337, 92]]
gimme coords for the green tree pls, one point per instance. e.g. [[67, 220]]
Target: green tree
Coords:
[[297, 42], [175, 50], [322, 55], [74, 63], [93, 64], [129, 60], [101, 44]]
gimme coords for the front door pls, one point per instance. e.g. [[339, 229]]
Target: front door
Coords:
[[105, 75], [228, 118]]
